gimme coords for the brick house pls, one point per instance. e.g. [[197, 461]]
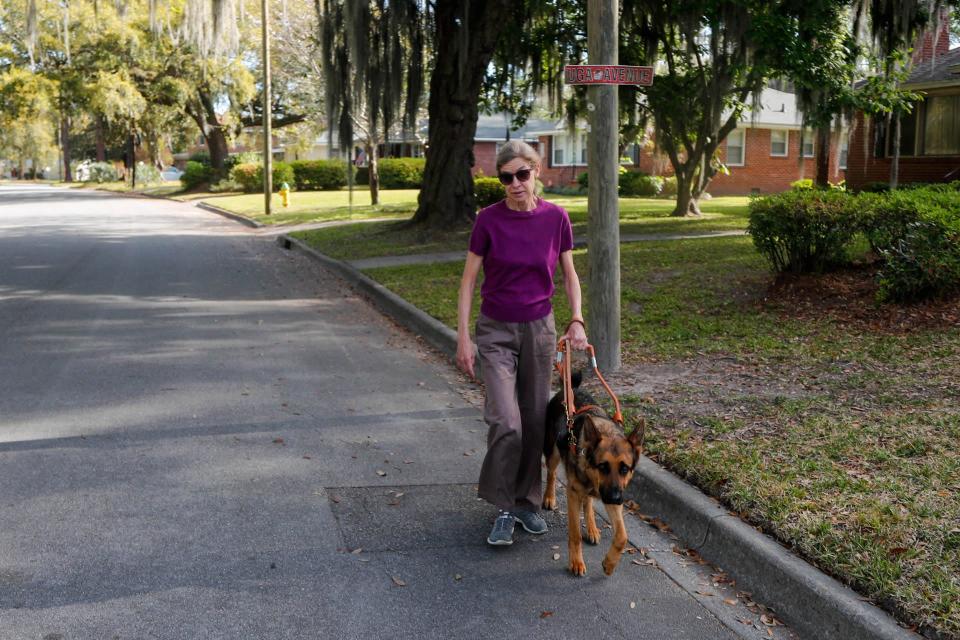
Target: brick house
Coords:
[[492, 131], [929, 135], [762, 154]]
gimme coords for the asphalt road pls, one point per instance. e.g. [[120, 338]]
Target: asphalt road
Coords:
[[204, 436]]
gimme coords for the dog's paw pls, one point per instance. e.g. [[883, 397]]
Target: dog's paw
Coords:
[[593, 536], [578, 568], [550, 503], [610, 565]]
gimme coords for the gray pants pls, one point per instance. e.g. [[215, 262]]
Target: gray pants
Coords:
[[516, 362]]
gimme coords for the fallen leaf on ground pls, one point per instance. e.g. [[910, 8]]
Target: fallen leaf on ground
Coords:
[[556, 556], [397, 581], [381, 473], [357, 551], [545, 614], [633, 605], [730, 601], [278, 441], [457, 577]]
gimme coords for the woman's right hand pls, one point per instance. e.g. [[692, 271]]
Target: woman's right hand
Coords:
[[466, 355]]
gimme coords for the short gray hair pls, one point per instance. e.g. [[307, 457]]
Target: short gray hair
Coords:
[[517, 149]]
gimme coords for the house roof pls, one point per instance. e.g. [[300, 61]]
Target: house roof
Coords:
[[943, 70], [495, 126]]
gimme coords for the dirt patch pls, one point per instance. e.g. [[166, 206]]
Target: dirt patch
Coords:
[[848, 297]]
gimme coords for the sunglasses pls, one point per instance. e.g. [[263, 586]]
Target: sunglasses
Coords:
[[507, 178]]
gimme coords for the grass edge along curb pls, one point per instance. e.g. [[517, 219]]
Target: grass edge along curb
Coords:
[[229, 214], [813, 603]]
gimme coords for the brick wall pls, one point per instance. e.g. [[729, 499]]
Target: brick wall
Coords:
[[934, 43], [552, 176], [485, 158], [864, 168], [763, 173]]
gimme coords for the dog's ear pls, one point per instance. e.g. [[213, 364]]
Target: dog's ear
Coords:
[[590, 435], [636, 438]]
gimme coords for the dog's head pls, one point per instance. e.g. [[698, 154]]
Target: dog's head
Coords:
[[611, 457]]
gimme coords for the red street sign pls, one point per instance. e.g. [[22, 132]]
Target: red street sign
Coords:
[[607, 74]]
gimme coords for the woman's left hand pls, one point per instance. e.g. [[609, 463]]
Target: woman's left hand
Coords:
[[576, 336]]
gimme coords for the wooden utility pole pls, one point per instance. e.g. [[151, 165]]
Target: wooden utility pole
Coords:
[[603, 209], [267, 111]]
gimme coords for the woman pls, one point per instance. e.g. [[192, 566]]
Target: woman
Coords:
[[518, 242]]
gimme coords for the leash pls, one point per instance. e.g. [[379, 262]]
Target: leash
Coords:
[[564, 367]]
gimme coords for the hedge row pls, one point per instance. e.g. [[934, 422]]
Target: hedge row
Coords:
[[915, 233], [638, 184]]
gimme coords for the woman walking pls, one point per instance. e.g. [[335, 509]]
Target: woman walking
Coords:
[[518, 241]]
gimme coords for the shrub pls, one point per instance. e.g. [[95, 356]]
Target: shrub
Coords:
[[244, 157], [326, 175], [924, 263], [203, 157], [637, 183], [401, 173], [803, 231], [669, 186], [148, 174], [584, 180], [802, 185], [248, 176], [876, 187], [488, 191], [281, 172], [195, 174], [362, 176], [101, 172]]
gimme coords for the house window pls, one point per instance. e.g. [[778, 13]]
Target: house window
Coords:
[[569, 149], [941, 132], [735, 147], [807, 144], [778, 143], [844, 149]]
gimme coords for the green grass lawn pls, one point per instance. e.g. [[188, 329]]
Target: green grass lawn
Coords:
[[838, 438], [321, 206], [637, 215]]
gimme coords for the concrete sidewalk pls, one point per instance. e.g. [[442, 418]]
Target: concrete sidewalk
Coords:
[[817, 606]]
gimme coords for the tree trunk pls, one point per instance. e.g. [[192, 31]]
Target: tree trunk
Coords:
[[823, 157], [373, 173], [205, 116], [65, 147], [895, 164], [467, 32], [101, 142]]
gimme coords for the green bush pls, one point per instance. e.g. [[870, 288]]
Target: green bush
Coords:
[[637, 183], [488, 191], [669, 186], [195, 174], [584, 180], [148, 174], [203, 157], [314, 175], [362, 176], [803, 231], [401, 173], [248, 176], [925, 262], [802, 185], [101, 172]]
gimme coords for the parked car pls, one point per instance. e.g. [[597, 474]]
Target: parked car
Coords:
[[171, 174]]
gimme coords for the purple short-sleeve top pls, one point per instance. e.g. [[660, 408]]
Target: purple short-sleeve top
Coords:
[[520, 251]]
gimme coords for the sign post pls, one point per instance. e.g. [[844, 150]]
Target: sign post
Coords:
[[603, 153]]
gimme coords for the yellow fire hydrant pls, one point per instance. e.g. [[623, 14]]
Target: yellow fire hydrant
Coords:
[[285, 194]]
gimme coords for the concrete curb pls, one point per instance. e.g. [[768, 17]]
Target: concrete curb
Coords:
[[229, 214], [811, 602]]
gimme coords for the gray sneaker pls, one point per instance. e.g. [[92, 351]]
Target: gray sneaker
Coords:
[[532, 522], [502, 533]]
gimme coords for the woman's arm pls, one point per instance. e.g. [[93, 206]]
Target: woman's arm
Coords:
[[465, 352], [576, 331]]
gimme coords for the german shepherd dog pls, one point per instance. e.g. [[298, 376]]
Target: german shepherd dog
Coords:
[[601, 467]]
